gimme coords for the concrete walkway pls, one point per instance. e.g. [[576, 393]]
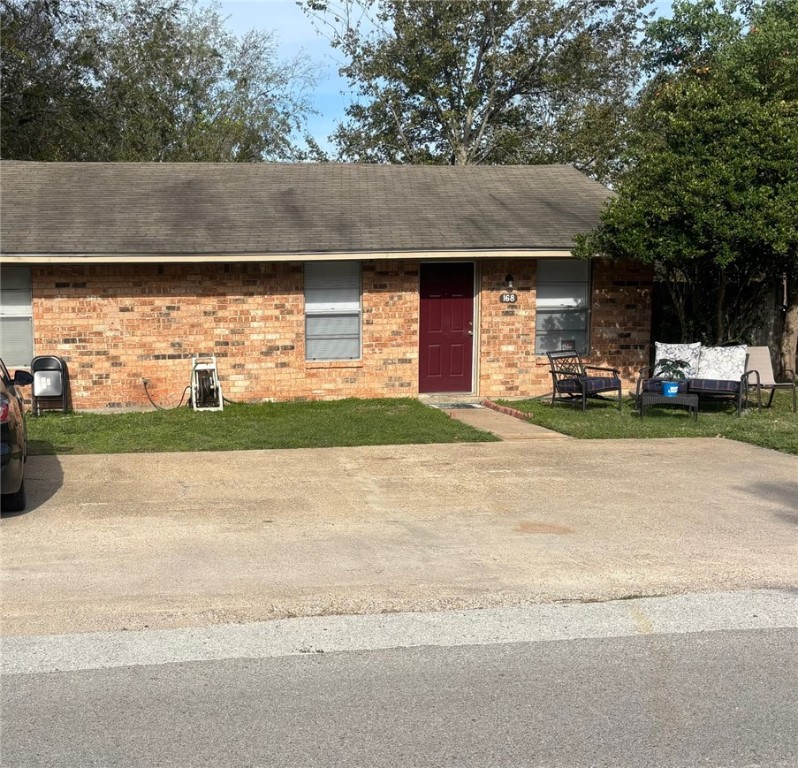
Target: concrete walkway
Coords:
[[502, 424]]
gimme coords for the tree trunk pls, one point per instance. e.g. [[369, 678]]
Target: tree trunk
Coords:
[[678, 300], [720, 329], [788, 343]]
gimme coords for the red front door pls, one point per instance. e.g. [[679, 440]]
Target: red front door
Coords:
[[446, 332]]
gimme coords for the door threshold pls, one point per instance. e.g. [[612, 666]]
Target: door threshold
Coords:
[[450, 399]]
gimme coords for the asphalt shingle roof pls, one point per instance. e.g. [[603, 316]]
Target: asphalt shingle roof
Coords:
[[176, 208]]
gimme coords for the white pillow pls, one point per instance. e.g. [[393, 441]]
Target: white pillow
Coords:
[[722, 363], [690, 353]]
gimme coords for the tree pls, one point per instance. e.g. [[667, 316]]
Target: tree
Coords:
[[46, 101], [711, 193], [136, 80], [486, 81]]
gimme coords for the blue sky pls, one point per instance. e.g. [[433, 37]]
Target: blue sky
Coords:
[[295, 34]]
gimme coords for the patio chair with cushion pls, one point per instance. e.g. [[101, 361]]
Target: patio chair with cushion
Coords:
[[723, 374], [759, 360], [571, 379], [710, 372]]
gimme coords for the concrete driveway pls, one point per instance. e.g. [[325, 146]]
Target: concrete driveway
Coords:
[[177, 540]]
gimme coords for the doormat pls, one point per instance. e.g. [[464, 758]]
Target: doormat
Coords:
[[455, 406]]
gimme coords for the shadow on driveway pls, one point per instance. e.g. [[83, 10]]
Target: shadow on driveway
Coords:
[[783, 493], [44, 476]]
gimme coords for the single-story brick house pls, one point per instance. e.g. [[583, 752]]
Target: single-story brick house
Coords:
[[309, 281]]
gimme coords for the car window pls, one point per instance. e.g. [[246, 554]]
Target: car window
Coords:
[[4, 373]]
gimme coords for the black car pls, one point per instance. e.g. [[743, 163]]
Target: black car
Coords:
[[14, 444]]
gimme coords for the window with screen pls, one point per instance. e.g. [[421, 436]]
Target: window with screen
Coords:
[[332, 310], [16, 316], [563, 304]]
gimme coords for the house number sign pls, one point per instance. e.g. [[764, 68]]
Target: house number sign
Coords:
[[508, 298]]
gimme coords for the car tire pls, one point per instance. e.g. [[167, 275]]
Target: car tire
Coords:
[[14, 502]]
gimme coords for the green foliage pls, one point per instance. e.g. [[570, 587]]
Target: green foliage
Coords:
[[249, 427], [669, 368], [143, 81], [47, 99], [711, 192], [696, 33], [775, 428], [486, 81]]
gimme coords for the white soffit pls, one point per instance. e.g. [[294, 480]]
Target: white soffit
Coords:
[[181, 258]]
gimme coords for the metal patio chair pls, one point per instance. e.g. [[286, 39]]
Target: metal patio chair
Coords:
[[572, 380], [760, 362], [50, 383]]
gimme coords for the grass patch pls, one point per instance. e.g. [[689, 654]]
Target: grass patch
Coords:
[[247, 427], [776, 427]]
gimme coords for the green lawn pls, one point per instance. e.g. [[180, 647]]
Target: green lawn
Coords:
[[244, 427], [385, 422], [776, 427]]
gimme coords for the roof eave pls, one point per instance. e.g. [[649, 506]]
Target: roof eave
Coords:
[[189, 258]]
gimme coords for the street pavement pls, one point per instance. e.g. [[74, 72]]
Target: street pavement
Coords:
[[690, 680]]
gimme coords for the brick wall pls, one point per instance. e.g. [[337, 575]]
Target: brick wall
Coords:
[[507, 331], [621, 316], [620, 325], [119, 324]]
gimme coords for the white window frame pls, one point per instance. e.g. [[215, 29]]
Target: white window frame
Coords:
[[563, 288], [16, 303], [333, 290]]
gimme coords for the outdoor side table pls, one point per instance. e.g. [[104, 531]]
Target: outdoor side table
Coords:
[[684, 399]]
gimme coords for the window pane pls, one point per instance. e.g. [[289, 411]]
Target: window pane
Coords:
[[16, 340], [332, 325], [563, 270], [15, 303], [332, 310], [553, 340], [16, 311], [562, 295], [335, 337], [15, 278], [574, 320], [333, 349], [563, 299], [15, 292], [332, 286]]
